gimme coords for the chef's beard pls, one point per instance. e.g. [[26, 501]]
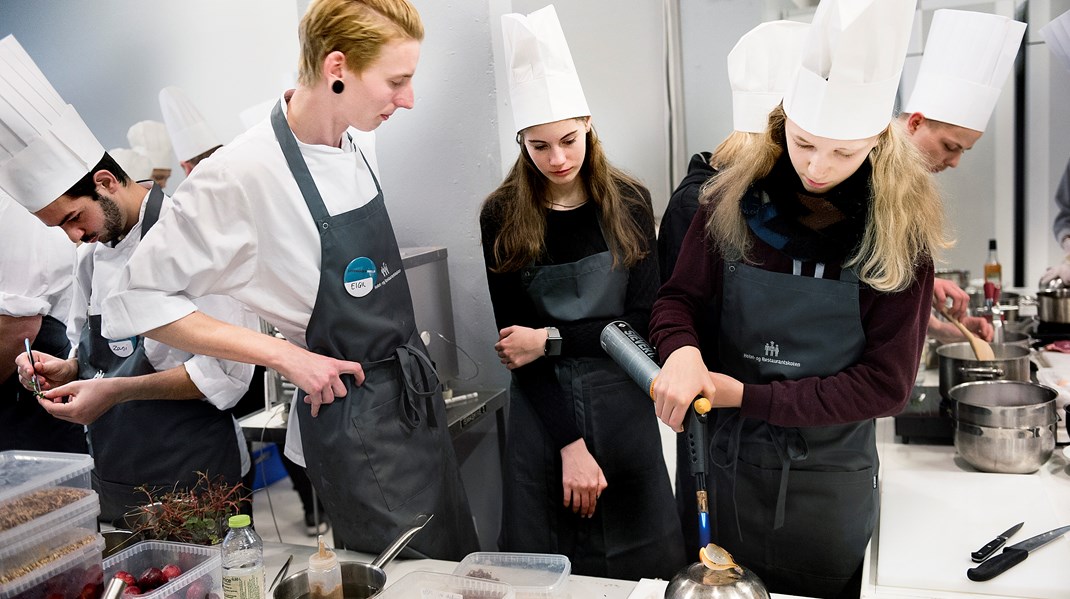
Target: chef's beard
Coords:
[[113, 219]]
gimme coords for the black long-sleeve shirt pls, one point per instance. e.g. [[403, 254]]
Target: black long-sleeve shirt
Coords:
[[570, 236]]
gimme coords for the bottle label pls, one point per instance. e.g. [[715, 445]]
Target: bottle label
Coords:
[[248, 585]]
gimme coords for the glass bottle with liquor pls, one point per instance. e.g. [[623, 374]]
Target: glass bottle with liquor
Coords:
[[993, 270]]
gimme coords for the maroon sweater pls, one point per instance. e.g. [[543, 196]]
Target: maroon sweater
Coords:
[[878, 385]]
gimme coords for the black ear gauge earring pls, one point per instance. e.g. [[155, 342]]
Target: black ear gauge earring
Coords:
[[337, 87]]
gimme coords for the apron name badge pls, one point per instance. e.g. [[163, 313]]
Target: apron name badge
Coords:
[[123, 347], [360, 276]]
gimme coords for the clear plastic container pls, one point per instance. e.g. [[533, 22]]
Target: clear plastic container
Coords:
[[31, 552], [34, 484], [324, 575], [433, 585], [532, 575], [200, 578], [69, 575], [243, 561]]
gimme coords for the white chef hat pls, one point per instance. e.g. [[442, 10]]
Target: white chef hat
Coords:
[[1057, 35], [45, 147], [759, 68], [189, 132], [151, 139], [543, 83], [136, 165], [968, 56], [851, 61]]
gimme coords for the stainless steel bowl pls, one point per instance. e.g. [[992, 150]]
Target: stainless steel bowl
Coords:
[[699, 582]]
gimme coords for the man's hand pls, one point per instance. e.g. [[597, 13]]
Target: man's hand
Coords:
[[581, 477], [1059, 271], [82, 402], [320, 377], [943, 290], [51, 371]]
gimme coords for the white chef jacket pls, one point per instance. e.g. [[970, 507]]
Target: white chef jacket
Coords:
[[222, 382], [244, 231], [36, 265]]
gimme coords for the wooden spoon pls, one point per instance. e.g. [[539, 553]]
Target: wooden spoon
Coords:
[[982, 350]]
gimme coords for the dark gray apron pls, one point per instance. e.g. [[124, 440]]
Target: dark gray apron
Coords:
[[634, 532], [24, 424], [157, 443], [796, 505], [383, 454]]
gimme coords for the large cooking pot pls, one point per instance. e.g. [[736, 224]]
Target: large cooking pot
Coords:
[[1004, 426], [699, 582], [359, 580], [958, 365], [1053, 305]]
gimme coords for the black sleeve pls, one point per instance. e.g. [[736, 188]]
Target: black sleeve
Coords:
[[512, 306], [683, 204], [581, 338]]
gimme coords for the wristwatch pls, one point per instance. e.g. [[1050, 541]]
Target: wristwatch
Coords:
[[553, 342]]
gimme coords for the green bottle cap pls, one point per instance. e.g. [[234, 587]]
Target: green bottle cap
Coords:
[[239, 521]]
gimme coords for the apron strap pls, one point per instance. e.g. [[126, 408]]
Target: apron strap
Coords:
[[152, 210], [299, 169]]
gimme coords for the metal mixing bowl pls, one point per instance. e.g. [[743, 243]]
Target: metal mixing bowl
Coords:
[[699, 582]]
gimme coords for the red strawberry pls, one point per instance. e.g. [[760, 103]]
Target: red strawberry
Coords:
[[126, 577], [131, 590], [150, 579], [171, 572]]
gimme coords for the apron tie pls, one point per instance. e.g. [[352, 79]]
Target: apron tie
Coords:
[[414, 363], [789, 444]]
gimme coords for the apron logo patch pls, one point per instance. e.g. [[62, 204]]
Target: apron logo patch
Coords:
[[771, 355], [360, 276], [123, 347]]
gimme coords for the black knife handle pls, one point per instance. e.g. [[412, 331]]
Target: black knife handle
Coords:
[[997, 565], [984, 552]]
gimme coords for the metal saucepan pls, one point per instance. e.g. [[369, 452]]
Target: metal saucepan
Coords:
[[1004, 426], [359, 580], [1053, 305], [958, 365], [958, 277]]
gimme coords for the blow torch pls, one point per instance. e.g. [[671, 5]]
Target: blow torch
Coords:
[[638, 360]]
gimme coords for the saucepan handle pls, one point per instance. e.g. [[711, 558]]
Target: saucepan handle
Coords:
[[982, 372], [395, 548]]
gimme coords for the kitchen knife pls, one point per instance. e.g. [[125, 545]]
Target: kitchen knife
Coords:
[[985, 552], [1013, 555]]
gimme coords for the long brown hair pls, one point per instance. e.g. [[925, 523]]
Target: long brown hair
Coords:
[[519, 204], [905, 221]]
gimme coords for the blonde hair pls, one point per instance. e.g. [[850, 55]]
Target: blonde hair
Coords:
[[732, 146], [357, 28], [905, 223]]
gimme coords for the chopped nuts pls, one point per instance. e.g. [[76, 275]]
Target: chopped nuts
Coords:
[[27, 507]]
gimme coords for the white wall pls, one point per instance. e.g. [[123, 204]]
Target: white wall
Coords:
[[110, 59], [619, 51]]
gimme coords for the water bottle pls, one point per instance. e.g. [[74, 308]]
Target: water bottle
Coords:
[[243, 561]]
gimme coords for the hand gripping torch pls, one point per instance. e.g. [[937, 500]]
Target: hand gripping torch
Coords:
[[638, 360]]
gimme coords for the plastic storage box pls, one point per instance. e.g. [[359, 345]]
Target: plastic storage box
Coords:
[[201, 566], [433, 585], [532, 575], [76, 574], [34, 484], [69, 530]]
